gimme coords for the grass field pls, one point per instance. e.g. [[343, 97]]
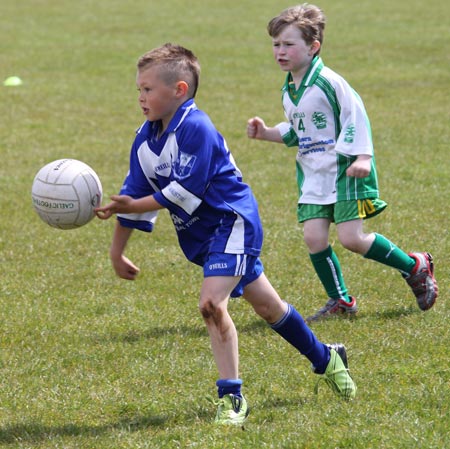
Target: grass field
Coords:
[[90, 361]]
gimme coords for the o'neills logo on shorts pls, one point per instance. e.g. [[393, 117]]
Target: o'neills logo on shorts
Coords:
[[218, 266]]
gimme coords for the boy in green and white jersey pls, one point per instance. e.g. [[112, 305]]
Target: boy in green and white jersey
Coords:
[[336, 170], [327, 146]]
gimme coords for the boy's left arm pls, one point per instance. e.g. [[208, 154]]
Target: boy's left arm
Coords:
[[361, 167], [355, 138]]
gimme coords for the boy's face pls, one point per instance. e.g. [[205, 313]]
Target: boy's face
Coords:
[[157, 99], [291, 51]]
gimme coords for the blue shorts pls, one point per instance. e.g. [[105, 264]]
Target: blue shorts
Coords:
[[220, 264]]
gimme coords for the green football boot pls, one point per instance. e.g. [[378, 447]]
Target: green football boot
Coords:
[[231, 410], [336, 375]]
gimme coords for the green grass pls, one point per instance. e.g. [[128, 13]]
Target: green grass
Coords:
[[90, 361]]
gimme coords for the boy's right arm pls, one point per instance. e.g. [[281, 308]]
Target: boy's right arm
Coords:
[[257, 129], [123, 267]]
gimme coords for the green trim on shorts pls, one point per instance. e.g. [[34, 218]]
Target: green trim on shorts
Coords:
[[342, 210]]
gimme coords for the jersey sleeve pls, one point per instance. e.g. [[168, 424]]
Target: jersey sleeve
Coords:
[[137, 185], [288, 134], [355, 135]]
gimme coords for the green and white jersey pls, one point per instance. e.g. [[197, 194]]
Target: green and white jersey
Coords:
[[329, 126]]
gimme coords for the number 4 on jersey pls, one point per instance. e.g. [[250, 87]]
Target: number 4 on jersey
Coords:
[[301, 126]]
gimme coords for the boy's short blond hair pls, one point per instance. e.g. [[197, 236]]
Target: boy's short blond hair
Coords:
[[175, 63], [309, 19]]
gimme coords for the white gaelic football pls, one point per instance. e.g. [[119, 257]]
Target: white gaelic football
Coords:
[[65, 193]]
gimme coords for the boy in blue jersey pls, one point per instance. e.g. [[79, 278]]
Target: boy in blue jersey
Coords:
[[180, 162], [336, 171]]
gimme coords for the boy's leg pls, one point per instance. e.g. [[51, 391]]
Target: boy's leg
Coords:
[[214, 296], [384, 251], [416, 268], [287, 322], [213, 304], [328, 269], [222, 274], [373, 246], [284, 319]]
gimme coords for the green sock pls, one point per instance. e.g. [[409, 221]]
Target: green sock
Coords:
[[329, 271], [385, 252]]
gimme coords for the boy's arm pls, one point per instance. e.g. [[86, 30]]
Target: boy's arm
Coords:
[[123, 267], [361, 167], [257, 129], [124, 204]]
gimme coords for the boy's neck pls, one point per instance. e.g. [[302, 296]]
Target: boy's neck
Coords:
[[298, 77], [164, 124]]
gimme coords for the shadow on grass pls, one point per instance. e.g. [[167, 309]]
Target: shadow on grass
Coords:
[[133, 336], [385, 314], [395, 313], [258, 326], [277, 403], [35, 432]]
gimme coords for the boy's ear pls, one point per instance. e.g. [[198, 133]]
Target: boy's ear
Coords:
[[182, 88], [315, 46]]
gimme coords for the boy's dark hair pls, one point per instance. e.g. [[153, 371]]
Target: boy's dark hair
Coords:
[[176, 63]]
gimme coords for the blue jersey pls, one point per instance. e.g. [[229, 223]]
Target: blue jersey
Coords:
[[191, 172]]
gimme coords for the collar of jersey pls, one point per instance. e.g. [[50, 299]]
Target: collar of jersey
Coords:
[[308, 80], [175, 122], [180, 115]]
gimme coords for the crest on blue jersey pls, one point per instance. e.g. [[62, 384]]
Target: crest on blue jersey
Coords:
[[184, 164]]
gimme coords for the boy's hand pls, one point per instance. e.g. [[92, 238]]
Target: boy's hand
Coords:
[[120, 204], [361, 167], [124, 268], [256, 128]]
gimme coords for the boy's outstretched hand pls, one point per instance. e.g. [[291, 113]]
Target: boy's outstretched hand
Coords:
[[120, 204]]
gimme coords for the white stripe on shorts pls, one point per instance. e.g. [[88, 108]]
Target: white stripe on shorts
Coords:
[[241, 264]]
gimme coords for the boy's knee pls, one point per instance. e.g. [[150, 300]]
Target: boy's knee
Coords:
[[314, 244], [206, 309], [210, 311], [351, 242], [263, 310], [309, 239]]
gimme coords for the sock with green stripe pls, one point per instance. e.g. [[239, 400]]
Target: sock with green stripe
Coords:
[[328, 269], [385, 252]]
